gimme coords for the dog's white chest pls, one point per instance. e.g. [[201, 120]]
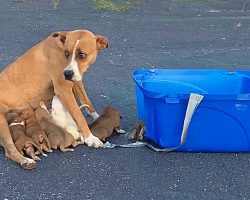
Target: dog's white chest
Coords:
[[64, 119]]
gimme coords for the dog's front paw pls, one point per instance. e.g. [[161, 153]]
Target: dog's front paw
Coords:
[[93, 141]]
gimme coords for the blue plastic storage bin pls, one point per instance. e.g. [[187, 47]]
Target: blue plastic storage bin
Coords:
[[221, 123]]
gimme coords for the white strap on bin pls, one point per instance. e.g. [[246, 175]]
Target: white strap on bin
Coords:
[[193, 103]]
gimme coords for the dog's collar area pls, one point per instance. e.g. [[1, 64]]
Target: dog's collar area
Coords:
[[17, 123]]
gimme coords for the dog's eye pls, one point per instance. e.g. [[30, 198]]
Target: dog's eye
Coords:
[[66, 53], [82, 55]]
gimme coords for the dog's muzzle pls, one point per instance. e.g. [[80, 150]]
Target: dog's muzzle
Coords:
[[68, 74]]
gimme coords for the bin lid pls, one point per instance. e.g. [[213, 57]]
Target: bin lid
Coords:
[[214, 84]]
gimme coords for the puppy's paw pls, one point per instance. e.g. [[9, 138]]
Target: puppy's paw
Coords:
[[44, 154], [28, 164], [132, 135], [93, 141], [67, 150], [121, 131]]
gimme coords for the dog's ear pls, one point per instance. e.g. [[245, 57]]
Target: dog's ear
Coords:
[[9, 117], [101, 42], [60, 38], [12, 114]]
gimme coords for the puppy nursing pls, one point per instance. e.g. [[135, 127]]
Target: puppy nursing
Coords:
[[22, 142], [58, 137], [34, 130], [37, 130]]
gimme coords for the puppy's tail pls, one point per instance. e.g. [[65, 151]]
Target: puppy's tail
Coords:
[[39, 150], [47, 141], [30, 150]]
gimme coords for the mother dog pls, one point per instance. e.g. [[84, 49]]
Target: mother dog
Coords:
[[53, 67]]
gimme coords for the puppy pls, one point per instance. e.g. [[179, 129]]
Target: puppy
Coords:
[[58, 137], [22, 142], [138, 131], [63, 119], [108, 122], [34, 130]]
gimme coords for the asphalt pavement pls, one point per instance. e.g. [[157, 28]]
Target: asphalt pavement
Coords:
[[142, 34]]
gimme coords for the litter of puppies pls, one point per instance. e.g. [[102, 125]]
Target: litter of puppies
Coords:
[[45, 128]]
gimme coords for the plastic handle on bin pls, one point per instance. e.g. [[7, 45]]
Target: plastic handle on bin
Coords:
[[172, 100], [193, 103], [230, 73]]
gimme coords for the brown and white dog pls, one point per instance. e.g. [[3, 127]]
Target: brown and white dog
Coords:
[[22, 142], [55, 66], [108, 122]]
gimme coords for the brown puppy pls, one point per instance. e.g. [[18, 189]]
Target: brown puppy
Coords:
[[138, 131], [57, 135], [55, 66], [17, 130], [108, 122], [34, 130]]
